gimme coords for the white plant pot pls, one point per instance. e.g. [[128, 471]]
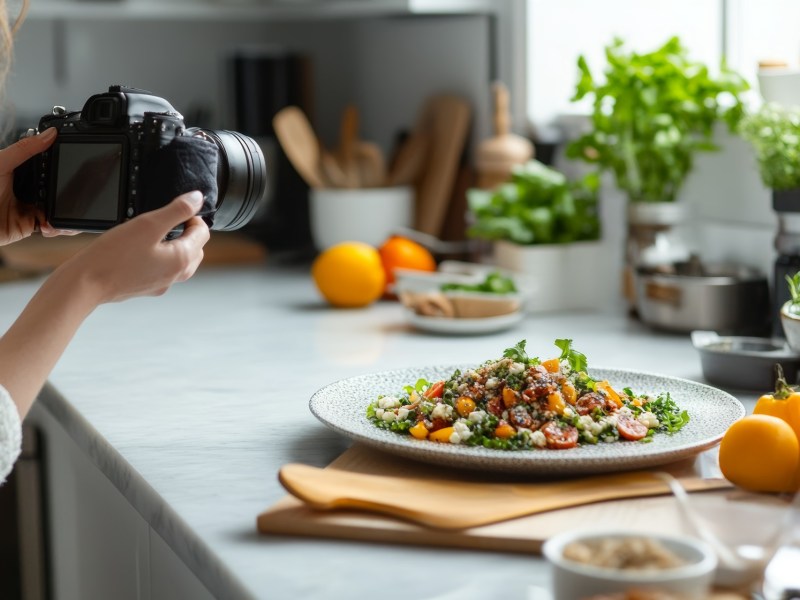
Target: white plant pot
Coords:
[[567, 276]]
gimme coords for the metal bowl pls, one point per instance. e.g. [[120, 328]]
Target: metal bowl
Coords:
[[746, 363]]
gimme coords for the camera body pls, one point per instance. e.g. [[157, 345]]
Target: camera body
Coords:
[[127, 152]]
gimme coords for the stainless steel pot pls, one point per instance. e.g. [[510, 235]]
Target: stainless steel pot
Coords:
[[728, 299]]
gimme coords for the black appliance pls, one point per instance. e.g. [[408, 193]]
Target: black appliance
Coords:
[[265, 80]]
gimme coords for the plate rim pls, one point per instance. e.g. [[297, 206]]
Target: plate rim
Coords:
[[522, 462]]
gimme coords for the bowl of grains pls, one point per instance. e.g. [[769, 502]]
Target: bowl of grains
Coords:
[[586, 563]]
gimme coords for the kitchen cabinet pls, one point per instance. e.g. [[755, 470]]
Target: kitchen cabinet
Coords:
[[99, 545]]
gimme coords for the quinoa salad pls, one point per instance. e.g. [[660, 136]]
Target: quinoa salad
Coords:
[[519, 402]]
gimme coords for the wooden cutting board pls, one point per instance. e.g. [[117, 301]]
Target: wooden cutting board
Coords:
[[291, 516], [445, 119]]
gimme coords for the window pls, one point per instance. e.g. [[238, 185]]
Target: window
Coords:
[[560, 30]]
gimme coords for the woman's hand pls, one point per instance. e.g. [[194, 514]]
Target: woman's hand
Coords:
[[133, 259], [17, 219]]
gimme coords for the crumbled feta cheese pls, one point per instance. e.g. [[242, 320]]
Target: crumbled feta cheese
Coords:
[[461, 432], [516, 368], [538, 439], [379, 413], [491, 383], [649, 420], [388, 402], [568, 412], [591, 426], [442, 411], [402, 413], [476, 416], [389, 416]]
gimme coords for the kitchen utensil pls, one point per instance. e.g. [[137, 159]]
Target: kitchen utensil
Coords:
[[326, 489], [370, 164], [368, 215], [291, 516], [348, 140], [410, 160], [730, 299], [445, 119], [300, 143], [497, 156], [573, 580], [332, 170], [746, 363]]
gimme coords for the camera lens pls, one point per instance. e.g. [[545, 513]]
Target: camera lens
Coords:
[[241, 177]]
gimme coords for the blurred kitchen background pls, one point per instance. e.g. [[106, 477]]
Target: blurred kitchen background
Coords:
[[233, 64]]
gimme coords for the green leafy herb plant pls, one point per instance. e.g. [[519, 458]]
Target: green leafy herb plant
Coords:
[[653, 113], [538, 205], [793, 304], [774, 133]]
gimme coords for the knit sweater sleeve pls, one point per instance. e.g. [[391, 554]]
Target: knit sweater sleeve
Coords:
[[10, 434]]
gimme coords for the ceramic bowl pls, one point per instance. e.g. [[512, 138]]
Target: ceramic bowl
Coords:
[[791, 327], [574, 580]]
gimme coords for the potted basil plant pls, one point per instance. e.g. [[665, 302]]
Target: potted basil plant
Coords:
[[652, 113], [541, 223]]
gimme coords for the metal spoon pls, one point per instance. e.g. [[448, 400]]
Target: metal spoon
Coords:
[[736, 567]]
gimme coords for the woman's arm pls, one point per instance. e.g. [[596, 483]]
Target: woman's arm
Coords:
[[129, 260]]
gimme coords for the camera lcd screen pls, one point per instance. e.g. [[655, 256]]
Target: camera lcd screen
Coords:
[[88, 181]]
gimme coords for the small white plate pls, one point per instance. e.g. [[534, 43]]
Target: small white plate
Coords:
[[452, 326]]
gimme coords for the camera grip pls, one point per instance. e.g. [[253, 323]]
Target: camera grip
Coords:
[[25, 188], [184, 165]]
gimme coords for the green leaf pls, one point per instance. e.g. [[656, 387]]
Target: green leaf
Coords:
[[577, 360], [517, 353]]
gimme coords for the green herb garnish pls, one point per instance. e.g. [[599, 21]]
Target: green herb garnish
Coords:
[[495, 283], [576, 360]]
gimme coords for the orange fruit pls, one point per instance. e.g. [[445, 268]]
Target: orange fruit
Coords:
[[349, 275], [761, 453], [402, 253]]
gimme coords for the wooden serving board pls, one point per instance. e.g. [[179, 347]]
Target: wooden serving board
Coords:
[[657, 514]]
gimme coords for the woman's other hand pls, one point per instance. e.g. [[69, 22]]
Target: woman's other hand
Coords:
[[133, 259], [18, 219]]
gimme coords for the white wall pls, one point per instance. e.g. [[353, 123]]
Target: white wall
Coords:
[[387, 66]]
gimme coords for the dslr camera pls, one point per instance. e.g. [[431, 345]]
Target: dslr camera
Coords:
[[128, 152]]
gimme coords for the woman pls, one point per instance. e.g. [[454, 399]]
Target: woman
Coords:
[[129, 260]]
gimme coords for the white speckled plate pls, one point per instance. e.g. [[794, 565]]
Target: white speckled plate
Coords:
[[342, 406]]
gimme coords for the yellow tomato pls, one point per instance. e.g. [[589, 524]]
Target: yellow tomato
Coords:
[[784, 403], [761, 453]]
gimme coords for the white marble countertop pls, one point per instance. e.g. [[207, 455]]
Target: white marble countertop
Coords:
[[191, 402]]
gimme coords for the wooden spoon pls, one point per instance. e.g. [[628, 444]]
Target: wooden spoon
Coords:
[[298, 140], [348, 143], [371, 164], [410, 160], [332, 170], [460, 504]]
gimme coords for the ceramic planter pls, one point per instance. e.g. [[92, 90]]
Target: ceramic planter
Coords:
[[791, 327], [570, 276]]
